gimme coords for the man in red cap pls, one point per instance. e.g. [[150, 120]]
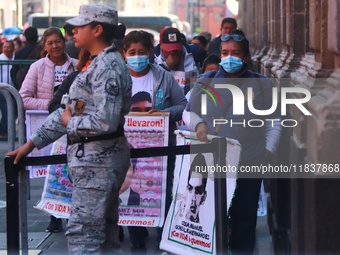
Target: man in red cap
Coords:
[[181, 59], [171, 47]]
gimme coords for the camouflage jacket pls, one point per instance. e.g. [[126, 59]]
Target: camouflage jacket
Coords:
[[99, 100]]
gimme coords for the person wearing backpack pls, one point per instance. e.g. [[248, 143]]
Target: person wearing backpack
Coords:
[[258, 143], [181, 59]]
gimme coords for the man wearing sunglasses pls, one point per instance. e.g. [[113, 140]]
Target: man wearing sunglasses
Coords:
[[228, 25]]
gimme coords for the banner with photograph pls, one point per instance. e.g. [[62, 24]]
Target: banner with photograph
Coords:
[[141, 200], [190, 224], [34, 119], [57, 193]]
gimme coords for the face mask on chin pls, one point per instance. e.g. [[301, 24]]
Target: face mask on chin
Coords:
[[231, 64], [137, 63]]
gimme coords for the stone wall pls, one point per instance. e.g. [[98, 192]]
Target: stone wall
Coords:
[[297, 43]]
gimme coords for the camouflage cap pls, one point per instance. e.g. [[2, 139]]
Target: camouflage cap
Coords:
[[94, 12]]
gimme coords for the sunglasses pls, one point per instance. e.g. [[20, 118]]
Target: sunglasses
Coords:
[[235, 37]]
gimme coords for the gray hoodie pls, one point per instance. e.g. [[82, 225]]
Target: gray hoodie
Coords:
[[167, 97]]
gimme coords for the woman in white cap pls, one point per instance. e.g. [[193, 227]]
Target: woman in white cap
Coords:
[[98, 153]]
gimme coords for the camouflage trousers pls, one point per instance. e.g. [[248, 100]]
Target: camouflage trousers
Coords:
[[92, 227]]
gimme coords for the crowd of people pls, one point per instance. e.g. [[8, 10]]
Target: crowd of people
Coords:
[[107, 74]]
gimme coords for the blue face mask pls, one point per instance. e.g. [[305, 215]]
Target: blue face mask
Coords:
[[137, 63], [231, 64]]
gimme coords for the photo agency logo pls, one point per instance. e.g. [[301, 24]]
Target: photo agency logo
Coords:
[[238, 104], [212, 94]]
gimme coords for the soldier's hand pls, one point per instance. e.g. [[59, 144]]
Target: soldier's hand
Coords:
[[202, 131], [66, 115], [22, 151]]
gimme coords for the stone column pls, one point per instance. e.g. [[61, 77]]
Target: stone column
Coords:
[[298, 48], [324, 125], [242, 19], [314, 70], [318, 64], [274, 37], [262, 40], [297, 29], [255, 44], [278, 65], [297, 25], [320, 222]]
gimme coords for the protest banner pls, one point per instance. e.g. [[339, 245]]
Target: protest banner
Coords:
[[34, 119], [142, 204], [57, 193], [190, 224]]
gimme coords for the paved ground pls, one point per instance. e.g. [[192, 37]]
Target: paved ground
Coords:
[[41, 242]]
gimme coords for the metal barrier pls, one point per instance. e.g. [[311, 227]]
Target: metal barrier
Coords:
[[14, 208], [11, 95], [6, 66], [17, 181]]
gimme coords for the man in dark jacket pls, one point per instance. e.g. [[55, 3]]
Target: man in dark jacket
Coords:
[[70, 48], [31, 50], [181, 59], [228, 25]]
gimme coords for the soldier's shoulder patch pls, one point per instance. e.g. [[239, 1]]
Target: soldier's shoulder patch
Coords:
[[111, 87]]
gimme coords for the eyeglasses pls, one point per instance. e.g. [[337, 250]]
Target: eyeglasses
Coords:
[[235, 37]]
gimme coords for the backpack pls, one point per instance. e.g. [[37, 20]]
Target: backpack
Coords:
[[23, 68]]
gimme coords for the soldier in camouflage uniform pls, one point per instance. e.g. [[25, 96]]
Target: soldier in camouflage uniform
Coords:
[[98, 153]]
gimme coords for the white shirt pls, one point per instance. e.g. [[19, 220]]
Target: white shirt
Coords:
[[5, 76], [124, 197], [60, 73], [144, 83], [185, 116]]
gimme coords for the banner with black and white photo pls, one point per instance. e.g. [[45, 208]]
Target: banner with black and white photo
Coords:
[[190, 224]]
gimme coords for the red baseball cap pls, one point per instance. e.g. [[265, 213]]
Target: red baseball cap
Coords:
[[171, 39]]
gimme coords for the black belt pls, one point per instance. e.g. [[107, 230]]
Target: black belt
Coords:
[[118, 133], [80, 152]]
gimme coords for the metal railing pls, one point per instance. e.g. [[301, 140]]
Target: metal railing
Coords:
[[17, 182], [13, 99], [217, 147], [6, 66]]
